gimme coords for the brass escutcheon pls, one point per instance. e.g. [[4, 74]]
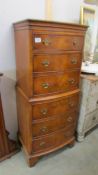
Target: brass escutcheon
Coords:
[[69, 119], [74, 42], [71, 81], [46, 41], [71, 104], [45, 85], [42, 144], [46, 63], [74, 61], [44, 111], [44, 129]]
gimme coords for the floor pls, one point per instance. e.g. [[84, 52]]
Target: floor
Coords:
[[79, 160]]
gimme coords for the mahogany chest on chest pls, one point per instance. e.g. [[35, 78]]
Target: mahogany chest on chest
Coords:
[[48, 61]]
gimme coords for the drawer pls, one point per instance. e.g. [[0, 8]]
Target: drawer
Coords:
[[92, 103], [54, 123], [57, 42], [91, 120], [56, 62], [56, 82], [53, 140], [94, 88], [55, 107]]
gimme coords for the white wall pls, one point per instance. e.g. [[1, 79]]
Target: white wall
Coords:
[[67, 10], [11, 11]]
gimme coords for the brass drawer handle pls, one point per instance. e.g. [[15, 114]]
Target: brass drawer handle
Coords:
[[71, 104], [74, 43], [74, 61], [71, 81], [45, 85], [69, 119], [44, 111], [46, 41], [44, 129], [42, 144], [46, 63]]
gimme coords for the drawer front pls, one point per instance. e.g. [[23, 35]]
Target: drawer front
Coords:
[[60, 62], [92, 103], [57, 42], [56, 83], [94, 88], [53, 140], [55, 107], [91, 120], [54, 123]]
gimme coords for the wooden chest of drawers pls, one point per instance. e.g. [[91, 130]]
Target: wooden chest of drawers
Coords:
[[48, 59]]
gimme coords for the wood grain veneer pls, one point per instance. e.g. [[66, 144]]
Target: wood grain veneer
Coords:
[[48, 61]]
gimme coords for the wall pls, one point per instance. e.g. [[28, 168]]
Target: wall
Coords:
[[64, 10], [10, 12]]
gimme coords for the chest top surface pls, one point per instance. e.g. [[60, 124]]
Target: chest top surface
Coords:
[[43, 23]]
